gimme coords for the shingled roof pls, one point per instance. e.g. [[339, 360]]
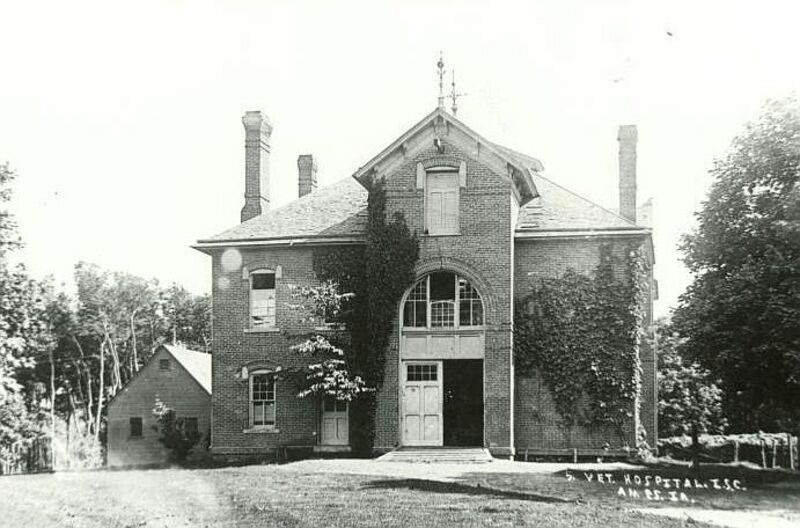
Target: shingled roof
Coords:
[[338, 213], [197, 364], [338, 210]]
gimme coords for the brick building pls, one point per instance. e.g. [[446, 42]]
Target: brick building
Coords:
[[178, 377], [489, 224]]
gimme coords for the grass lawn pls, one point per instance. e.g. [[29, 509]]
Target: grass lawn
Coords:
[[767, 496], [308, 493]]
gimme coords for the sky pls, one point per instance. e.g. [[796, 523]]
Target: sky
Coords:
[[123, 119]]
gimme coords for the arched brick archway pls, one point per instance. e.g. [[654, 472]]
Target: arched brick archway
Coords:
[[441, 366]]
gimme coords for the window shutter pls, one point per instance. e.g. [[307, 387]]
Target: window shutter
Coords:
[[462, 174], [420, 176]]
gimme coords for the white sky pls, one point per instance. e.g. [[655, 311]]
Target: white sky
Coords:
[[123, 119]]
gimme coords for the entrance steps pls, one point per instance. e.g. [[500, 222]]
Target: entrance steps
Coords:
[[447, 455]]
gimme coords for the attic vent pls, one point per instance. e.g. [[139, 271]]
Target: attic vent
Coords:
[[163, 364]]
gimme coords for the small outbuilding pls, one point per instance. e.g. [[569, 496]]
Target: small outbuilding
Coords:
[[180, 378]]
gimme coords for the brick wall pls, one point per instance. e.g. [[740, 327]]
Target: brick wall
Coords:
[[517, 411], [483, 252], [236, 345], [177, 389], [536, 420]]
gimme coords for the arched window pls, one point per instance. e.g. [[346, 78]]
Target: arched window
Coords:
[[443, 300], [262, 299]]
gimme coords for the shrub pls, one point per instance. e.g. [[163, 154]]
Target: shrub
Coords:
[[174, 434]]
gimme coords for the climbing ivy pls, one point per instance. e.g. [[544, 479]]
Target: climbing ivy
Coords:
[[581, 334], [377, 274]]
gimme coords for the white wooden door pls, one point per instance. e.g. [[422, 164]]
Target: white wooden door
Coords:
[[335, 426], [422, 403]]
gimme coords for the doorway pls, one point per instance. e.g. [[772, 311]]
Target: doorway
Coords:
[[422, 403], [463, 402], [335, 428]]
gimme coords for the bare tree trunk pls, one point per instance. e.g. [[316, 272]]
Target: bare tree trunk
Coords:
[[89, 401], [695, 447], [116, 378], [133, 342], [100, 393], [52, 406], [70, 416]]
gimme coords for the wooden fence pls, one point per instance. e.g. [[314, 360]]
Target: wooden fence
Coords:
[[768, 451], [27, 456]]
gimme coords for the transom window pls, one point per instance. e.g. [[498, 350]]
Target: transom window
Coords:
[[331, 404], [262, 399], [443, 300], [422, 372], [262, 299]]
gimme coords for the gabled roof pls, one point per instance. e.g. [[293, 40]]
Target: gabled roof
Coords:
[[197, 364], [441, 122], [337, 213]]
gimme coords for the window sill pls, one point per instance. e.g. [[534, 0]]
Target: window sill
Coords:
[[267, 330], [434, 235], [329, 327], [444, 329], [262, 429]]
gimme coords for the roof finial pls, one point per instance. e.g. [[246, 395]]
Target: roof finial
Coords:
[[440, 64], [454, 95]]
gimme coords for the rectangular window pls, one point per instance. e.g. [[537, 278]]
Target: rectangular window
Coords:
[[136, 427], [190, 425], [262, 400], [422, 372], [262, 300], [441, 202], [163, 364]]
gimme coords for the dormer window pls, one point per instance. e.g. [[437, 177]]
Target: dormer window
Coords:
[[441, 201], [262, 299], [443, 300]]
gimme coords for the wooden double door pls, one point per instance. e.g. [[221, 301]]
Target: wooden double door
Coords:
[[442, 403]]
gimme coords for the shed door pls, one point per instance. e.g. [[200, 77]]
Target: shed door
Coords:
[[334, 430], [422, 403]]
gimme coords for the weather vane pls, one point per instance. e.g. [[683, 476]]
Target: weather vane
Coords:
[[440, 64], [454, 95]]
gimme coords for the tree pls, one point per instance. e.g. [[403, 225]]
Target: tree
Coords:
[[187, 317], [689, 399], [741, 315], [328, 375], [23, 328]]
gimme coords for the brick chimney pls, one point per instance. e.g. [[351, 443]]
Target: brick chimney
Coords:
[[257, 132], [307, 174], [627, 137]]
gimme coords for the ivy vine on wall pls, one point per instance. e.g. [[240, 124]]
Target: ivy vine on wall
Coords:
[[581, 334], [377, 275]]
